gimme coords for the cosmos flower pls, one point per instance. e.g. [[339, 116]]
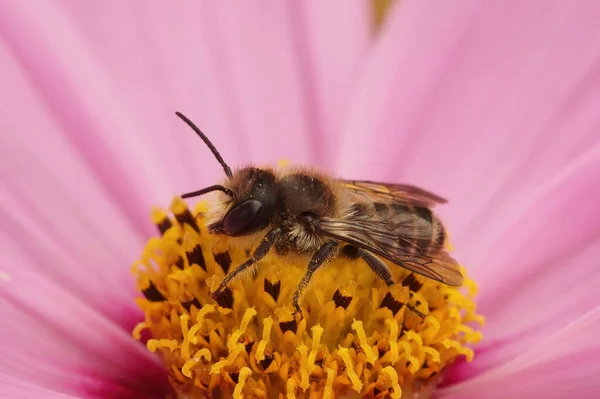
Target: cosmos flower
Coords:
[[490, 104]]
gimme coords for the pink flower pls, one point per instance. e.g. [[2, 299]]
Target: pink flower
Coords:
[[493, 104]]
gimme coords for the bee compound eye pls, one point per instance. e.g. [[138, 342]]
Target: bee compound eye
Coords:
[[244, 218]]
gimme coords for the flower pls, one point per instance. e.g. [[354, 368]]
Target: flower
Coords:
[[354, 333], [491, 104]]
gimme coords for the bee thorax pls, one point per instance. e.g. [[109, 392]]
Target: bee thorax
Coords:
[[299, 237]]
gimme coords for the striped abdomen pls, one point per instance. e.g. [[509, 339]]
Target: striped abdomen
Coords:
[[418, 226]]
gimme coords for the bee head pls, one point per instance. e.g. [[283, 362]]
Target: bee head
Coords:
[[251, 191], [253, 205]]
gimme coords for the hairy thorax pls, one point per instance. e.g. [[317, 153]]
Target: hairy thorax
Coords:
[[303, 196]]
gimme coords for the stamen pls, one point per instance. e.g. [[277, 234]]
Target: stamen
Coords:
[[188, 304], [316, 344], [434, 323], [154, 344], [233, 340], [450, 343], [223, 298], [245, 372], [272, 289], [185, 345], [393, 325], [221, 255], [137, 330], [435, 355], [303, 351], [182, 214], [260, 350], [216, 368], [393, 376], [356, 383], [362, 337], [161, 220], [413, 336], [413, 362], [248, 341], [392, 299], [153, 294], [412, 283], [291, 325], [341, 300], [328, 390], [187, 367], [291, 388], [196, 257]]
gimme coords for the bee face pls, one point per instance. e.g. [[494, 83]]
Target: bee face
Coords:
[[253, 205]]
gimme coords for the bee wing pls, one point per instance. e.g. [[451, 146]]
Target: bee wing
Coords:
[[404, 194], [394, 240]]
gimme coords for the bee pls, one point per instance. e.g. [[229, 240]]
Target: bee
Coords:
[[304, 211]]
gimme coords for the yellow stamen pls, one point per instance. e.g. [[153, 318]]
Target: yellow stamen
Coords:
[[413, 336], [291, 388], [154, 344], [245, 372], [435, 355], [450, 343], [328, 390], [414, 365], [316, 344], [362, 337], [187, 367], [356, 383], [393, 325], [185, 345], [248, 315], [260, 350], [216, 368], [302, 350], [354, 332], [137, 330], [393, 376]]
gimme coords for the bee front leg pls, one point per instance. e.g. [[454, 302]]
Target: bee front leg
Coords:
[[261, 250], [324, 254]]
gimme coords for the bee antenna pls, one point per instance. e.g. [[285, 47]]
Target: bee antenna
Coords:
[[210, 145], [208, 190]]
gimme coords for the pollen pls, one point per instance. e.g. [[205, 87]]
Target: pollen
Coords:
[[355, 336]]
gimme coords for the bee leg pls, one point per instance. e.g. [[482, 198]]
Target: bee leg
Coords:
[[377, 265], [261, 250], [324, 254], [384, 273]]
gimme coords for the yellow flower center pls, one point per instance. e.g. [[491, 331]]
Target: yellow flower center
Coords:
[[355, 336]]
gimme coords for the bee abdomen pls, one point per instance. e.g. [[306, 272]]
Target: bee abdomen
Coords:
[[421, 229], [424, 225], [429, 234]]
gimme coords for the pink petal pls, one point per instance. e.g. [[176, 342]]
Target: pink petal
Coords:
[[57, 215], [123, 84], [477, 102], [541, 272], [55, 339], [332, 39], [563, 365], [17, 389]]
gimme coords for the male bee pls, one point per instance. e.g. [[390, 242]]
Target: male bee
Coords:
[[305, 211]]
